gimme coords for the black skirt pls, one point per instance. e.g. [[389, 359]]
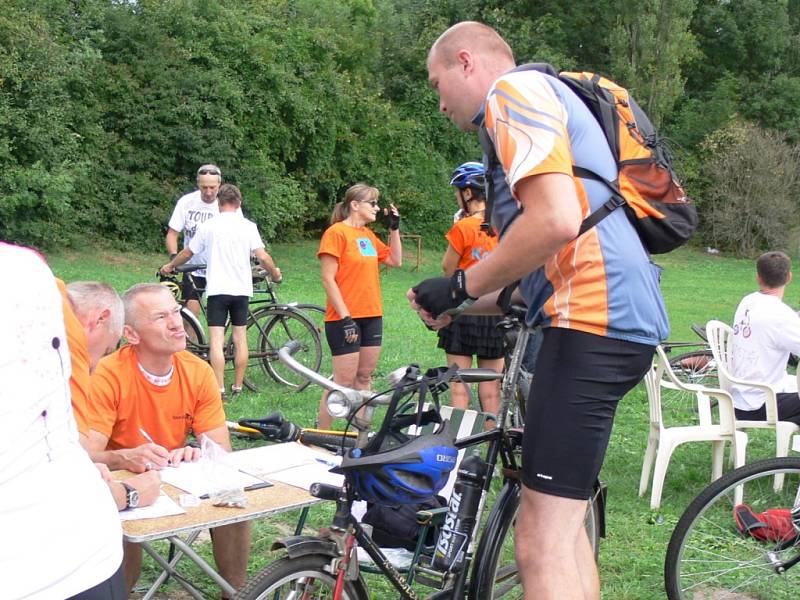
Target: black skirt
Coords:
[[473, 335]]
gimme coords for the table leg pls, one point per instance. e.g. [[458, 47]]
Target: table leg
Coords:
[[204, 566], [169, 568]]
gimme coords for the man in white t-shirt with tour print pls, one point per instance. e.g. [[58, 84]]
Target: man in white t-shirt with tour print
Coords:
[[765, 332], [227, 242], [190, 211]]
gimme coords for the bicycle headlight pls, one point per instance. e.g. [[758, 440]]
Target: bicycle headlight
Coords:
[[338, 404]]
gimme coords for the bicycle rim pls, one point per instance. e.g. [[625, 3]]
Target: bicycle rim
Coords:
[[707, 557], [696, 367], [195, 338], [283, 326], [294, 578]]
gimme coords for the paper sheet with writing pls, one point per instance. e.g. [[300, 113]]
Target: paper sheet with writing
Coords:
[[164, 506], [291, 463], [195, 477]]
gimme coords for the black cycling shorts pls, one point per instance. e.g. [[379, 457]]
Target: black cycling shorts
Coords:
[[370, 333], [222, 305], [580, 378], [189, 291]]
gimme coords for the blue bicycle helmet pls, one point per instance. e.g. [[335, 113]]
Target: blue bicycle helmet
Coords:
[[469, 175], [407, 473]]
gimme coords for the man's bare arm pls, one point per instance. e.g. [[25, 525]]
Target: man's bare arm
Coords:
[[172, 241], [551, 218], [135, 460]]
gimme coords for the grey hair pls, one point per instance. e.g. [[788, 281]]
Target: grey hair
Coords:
[[88, 295], [131, 295]]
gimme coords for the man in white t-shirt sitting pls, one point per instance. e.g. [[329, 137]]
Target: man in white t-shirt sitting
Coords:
[[765, 332], [227, 242]]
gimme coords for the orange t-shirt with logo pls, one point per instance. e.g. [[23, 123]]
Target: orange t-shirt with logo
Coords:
[[358, 252], [123, 401], [80, 383], [472, 243]]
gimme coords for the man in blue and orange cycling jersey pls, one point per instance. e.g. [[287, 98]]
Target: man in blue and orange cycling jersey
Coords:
[[596, 296]]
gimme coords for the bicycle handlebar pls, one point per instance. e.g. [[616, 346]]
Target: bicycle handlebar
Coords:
[[190, 268]]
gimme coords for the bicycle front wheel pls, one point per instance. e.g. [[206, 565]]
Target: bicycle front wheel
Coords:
[[282, 325], [707, 557], [495, 574], [301, 577]]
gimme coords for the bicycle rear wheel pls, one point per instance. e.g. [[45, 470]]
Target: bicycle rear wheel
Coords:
[[281, 325], [196, 341], [302, 577], [707, 557]]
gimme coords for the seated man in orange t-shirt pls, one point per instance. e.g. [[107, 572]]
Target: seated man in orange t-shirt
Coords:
[[153, 387], [93, 319]]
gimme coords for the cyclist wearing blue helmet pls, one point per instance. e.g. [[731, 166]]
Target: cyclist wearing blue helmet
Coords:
[[471, 335]]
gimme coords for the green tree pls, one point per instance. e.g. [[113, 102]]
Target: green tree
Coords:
[[649, 45]]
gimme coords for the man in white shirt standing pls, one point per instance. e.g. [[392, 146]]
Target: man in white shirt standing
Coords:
[[227, 243], [190, 211], [765, 332]]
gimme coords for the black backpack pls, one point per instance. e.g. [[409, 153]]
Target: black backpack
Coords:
[[647, 185], [397, 527]]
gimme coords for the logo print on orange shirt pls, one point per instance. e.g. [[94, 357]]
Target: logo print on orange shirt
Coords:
[[365, 247]]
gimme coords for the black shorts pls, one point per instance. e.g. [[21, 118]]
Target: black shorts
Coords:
[[192, 292], [370, 333], [788, 409], [222, 305], [580, 378], [112, 588]]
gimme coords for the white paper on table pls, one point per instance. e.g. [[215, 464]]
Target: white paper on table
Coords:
[[303, 476], [164, 506], [291, 463], [274, 458], [193, 477]]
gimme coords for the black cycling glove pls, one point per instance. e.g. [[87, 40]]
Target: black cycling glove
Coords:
[[392, 220], [444, 296], [349, 328]]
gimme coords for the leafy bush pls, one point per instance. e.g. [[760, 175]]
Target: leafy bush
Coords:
[[752, 201]]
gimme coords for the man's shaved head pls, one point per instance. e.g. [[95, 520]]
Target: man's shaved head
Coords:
[[476, 37]]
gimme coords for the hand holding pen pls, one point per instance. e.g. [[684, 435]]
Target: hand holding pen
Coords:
[[149, 456]]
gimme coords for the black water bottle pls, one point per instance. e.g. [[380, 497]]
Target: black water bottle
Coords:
[[461, 512]]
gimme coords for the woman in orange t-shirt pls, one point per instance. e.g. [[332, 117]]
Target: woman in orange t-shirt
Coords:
[[471, 335], [349, 255]]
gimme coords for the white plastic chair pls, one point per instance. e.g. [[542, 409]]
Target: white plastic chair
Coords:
[[720, 338], [663, 440]]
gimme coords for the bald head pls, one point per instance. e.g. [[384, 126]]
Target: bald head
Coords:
[[462, 66], [479, 39]]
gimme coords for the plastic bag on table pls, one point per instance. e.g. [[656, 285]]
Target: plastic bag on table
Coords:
[[226, 488]]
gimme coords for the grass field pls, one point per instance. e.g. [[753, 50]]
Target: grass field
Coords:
[[696, 286]]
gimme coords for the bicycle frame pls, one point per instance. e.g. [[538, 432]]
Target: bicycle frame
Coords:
[[501, 444]]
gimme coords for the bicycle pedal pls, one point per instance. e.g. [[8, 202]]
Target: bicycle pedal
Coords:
[[430, 577]]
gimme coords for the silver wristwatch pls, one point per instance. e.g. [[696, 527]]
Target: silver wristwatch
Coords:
[[131, 495]]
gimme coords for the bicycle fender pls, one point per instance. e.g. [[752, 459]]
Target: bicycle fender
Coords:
[[303, 545]]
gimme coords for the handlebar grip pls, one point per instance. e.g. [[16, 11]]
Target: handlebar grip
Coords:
[[325, 491]]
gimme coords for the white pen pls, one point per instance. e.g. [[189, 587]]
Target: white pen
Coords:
[[149, 439], [146, 435]]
